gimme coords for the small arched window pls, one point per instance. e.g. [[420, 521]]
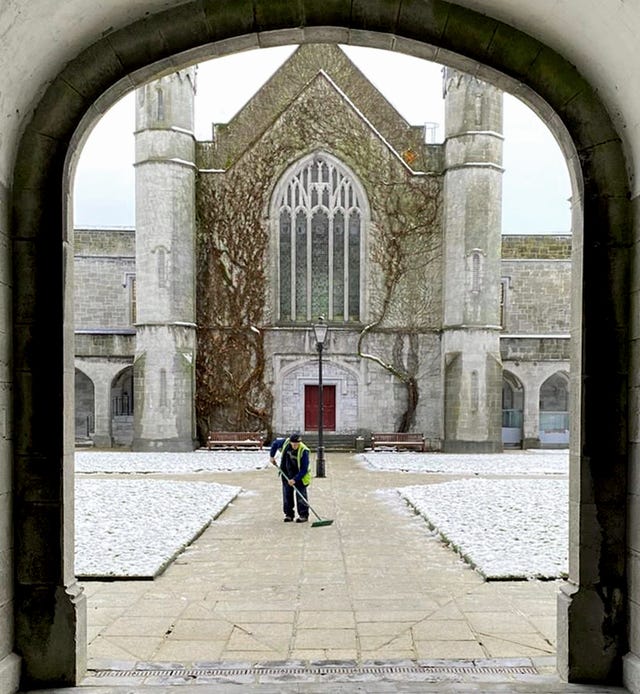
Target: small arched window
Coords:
[[476, 260], [163, 387], [159, 104], [475, 391], [162, 255], [319, 211], [161, 260]]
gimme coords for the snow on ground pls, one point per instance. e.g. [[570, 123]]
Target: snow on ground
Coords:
[[520, 463], [134, 528], [505, 528], [171, 463]]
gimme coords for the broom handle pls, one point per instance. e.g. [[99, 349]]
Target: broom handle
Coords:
[[297, 491]]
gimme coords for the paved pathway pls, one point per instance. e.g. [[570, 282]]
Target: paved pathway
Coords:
[[375, 599]]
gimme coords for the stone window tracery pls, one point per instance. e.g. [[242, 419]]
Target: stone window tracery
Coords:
[[319, 211]]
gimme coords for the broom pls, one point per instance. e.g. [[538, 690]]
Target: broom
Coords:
[[316, 524]]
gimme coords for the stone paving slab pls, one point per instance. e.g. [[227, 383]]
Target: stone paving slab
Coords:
[[376, 586]]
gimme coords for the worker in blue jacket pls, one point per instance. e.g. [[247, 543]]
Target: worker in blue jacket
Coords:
[[294, 463]]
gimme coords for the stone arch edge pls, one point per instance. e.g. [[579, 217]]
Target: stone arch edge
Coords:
[[47, 600]]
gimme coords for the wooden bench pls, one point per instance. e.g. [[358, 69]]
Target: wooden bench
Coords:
[[398, 440], [234, 439]]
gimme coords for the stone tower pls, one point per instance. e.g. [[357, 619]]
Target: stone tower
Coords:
[[472, 221], [164, 365]]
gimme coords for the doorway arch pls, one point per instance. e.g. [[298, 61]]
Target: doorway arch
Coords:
[[554, 410], [49, 607], [122, 408], [85, 407], [512, 410]]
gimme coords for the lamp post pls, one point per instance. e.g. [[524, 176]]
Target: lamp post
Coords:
[[320, 331]]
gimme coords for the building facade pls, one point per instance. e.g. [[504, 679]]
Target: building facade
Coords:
[[318, 199], [555, 56]]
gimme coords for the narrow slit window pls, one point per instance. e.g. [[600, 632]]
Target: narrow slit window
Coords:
[[476, 262], [161, 260], [159, 104], [163, 387]]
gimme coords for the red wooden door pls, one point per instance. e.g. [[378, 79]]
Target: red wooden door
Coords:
[[312, 404]]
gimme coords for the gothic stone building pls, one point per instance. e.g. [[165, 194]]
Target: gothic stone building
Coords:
[[318, 199]]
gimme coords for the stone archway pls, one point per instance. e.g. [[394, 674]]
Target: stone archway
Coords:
[[513, 396], [122, 407], [554, 410], [85, 407], [49, 608]]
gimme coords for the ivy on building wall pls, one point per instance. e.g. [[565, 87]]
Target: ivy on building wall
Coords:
[[405, 257], [231, 291], [402, 258]]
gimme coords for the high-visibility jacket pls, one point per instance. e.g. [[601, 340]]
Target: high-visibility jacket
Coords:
[[304, 468]]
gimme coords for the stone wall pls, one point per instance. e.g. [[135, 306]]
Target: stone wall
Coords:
[[104, 265], [538, 296], [529, 246], [368, 397], [535, 349], [106, 344], [111, 242]]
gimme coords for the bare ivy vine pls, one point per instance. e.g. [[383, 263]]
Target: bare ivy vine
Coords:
[[232, 251], [406, 244]]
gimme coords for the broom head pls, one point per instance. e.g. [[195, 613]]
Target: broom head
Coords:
[[321, 523]]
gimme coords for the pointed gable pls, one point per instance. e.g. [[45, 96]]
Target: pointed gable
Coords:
[[287, 84]]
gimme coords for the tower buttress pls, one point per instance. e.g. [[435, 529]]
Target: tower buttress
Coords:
[[472, 247], [164, 367]]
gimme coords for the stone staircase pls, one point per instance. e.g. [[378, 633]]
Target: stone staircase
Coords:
[[334, 442]]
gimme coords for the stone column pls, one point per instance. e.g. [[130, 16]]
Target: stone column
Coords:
[[165, 265], [472, 246], [50, 631], [531, 432], [595, 618], [102, 414]]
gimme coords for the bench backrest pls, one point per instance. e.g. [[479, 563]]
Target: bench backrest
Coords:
[[398, 436], [235, 436]]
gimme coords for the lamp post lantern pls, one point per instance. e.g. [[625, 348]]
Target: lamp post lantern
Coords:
[[320, 330]]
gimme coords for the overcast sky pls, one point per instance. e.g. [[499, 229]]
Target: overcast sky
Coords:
[[535, 185]]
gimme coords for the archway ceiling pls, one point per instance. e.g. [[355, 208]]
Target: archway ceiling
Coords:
[[61, 29]]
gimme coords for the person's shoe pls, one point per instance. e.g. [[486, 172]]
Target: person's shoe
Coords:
[[301, 520], [288, 519]]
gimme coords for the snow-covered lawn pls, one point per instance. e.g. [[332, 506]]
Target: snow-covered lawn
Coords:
[[134, 528], [505, 528], [171, 463], [520, 463]]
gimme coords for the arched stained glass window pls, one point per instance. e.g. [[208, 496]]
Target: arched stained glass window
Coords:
[[319, 211]]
